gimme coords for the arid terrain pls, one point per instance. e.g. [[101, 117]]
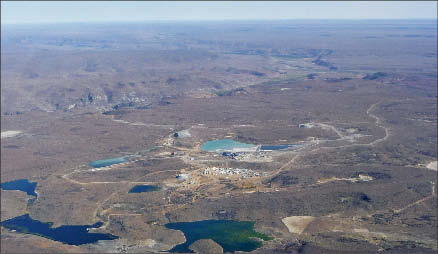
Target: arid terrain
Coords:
[[357, 100]]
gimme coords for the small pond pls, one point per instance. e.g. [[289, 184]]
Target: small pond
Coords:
[[21, 185], [144, 188], [73, 235], [107, 162], [224, 145], [231, 235]]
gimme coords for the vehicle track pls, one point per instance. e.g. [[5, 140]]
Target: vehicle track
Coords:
[[418, 201], [303, 152]]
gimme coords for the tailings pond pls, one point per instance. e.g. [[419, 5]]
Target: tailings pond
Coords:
[[224, 145], [107, 162], [21, 185], [279, 147], [231, 235], [144, 188], [73, 235]]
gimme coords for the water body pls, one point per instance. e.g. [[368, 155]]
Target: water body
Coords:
[[223, 145], [231, 235], [107, 162], [73, 235], [144, 188], [21, 185], [278, 147]]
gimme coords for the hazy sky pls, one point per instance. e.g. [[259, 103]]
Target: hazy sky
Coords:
[[83, 11]]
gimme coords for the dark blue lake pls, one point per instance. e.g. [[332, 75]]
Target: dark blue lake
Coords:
[[21, 185], [231, 235], [144, 188], [278, 147], [73, 235]]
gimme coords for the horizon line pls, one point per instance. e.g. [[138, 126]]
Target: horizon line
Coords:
[[219, 20]]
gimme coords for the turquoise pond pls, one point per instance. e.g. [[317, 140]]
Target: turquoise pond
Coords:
[[231, 235], [21, 185], [223, 145], [107, 162], [72, 235]]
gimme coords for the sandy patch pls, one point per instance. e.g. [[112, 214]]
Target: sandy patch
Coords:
[[9, 134], [297, 224], [361, 178], [432, 165], [184, 134], [352, 130]]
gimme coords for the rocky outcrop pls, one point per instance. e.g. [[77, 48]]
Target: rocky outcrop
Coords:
[[206, 246]]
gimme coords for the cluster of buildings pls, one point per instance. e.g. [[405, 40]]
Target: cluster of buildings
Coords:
[[243, 172], [230, 154], [254, 157]]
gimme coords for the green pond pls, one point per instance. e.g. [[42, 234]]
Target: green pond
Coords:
[[143, 188], [231, 235], [223, 145], [107, 162]]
